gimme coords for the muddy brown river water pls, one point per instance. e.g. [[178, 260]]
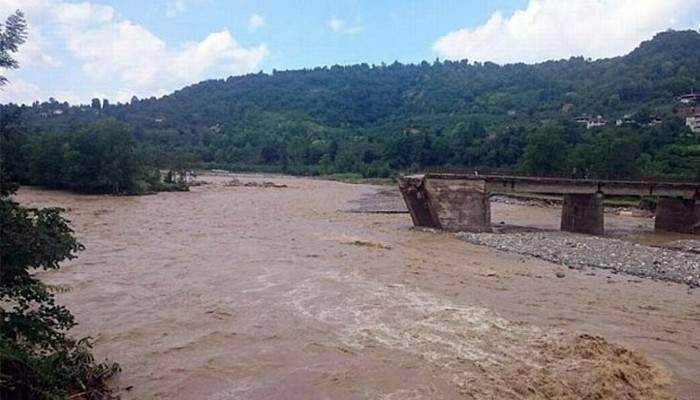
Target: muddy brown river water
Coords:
[[279, 293]]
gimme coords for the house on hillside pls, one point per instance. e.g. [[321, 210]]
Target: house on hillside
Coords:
[[626, 120], [591, 122], [690, 98], [654, 120], [688, 111], [583, 119], [693, 122]]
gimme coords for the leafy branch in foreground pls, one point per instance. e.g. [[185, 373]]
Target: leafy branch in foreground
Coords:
[[13, 33], [38, 360]]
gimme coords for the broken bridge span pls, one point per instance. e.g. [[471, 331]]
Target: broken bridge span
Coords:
[[461, 201]]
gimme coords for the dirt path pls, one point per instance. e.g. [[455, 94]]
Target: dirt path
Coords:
[[257, 293]]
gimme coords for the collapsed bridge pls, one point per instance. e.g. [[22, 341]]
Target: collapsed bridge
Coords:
[[461, 201]]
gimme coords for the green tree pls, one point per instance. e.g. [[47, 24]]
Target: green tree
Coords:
[[12, 155], [679, 160], [13, 34], [463, 139], [47, 160], [546, 151], [616, 153], [102, 158], [37, 358]]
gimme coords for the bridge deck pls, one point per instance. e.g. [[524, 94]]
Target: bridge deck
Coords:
[[529, 184]]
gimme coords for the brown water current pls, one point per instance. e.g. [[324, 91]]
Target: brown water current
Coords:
[[280, 293]]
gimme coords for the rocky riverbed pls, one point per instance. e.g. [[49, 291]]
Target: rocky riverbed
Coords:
[[691, 246], [582, 251]]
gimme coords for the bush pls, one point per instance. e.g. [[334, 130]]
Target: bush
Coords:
[[38, 359], [69, 371]]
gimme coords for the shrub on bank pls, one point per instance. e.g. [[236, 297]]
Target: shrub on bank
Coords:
[[37, 358]]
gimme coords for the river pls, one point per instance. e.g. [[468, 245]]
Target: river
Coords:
[[280, 293]]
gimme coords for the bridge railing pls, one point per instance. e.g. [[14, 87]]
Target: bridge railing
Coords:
[[573, 175]]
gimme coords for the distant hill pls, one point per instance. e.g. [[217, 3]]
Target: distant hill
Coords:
[[652, 75], [305, 119]]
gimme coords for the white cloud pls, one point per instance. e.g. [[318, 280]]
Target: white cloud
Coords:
[[121, 57], [142, 61], [175, 8], [338, 25], [70, 97], [256, 22], [117, 50], [35, 51], [82, 15], [553, 29], [19, 91], [217, 49], [27, 6]]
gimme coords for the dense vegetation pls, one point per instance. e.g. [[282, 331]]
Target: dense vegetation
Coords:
[[99, 157], [378, 120], [38, 360]]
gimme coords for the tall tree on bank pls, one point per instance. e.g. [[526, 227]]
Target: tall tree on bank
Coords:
[[13, 33], [37, 358]]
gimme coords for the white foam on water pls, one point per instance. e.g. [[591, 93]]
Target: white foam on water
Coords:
[[438, 330]]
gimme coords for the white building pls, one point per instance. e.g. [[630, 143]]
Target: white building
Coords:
[[693, 122], [596, 122], [690, 98], [626, 120], [591, 122]]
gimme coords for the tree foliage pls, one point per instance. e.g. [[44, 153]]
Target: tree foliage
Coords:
[[378, 120], [13, 34], [38, 360], [100, 157]]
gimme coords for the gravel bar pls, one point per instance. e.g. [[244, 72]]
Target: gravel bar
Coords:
[[579, 251], [691, 246]]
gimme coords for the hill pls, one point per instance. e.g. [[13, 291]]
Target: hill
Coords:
[[375, 120]]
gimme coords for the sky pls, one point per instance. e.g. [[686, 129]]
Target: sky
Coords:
[[116, 49]]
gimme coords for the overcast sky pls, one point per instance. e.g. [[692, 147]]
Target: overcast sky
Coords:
[[119, 48]]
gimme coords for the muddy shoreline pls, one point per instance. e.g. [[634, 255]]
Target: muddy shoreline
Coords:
[[257, 292]]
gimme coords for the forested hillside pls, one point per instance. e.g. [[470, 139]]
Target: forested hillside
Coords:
[[377, 120]]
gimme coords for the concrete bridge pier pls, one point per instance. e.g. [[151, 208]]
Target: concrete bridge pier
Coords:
[[676, 214], [449, 204], [583, 213], [416, 198]]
